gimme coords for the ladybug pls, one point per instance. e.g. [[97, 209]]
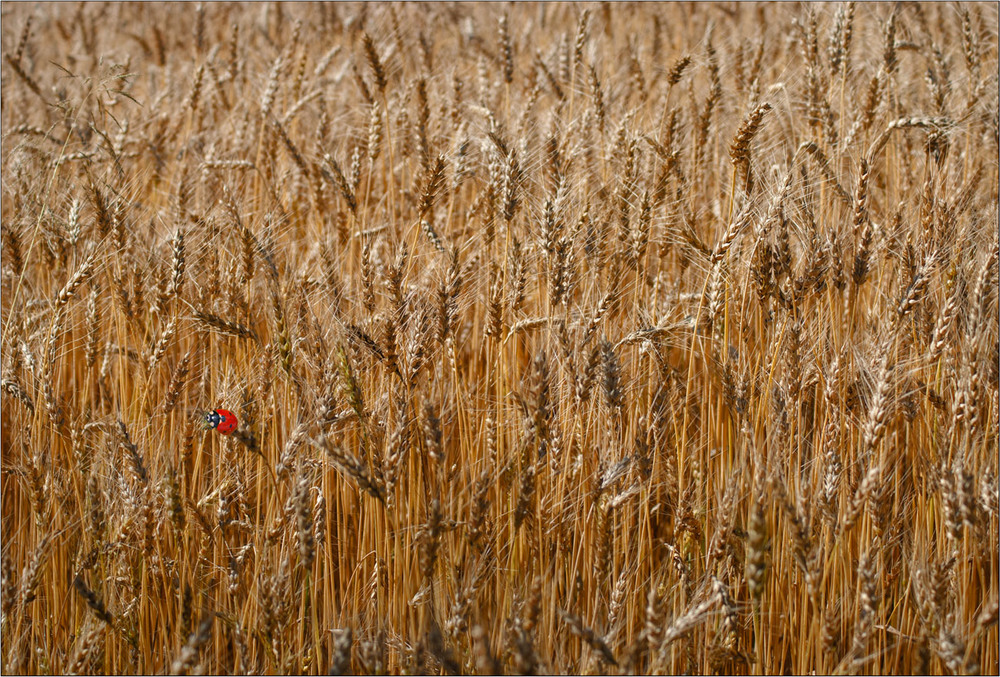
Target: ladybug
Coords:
[[222, 420]]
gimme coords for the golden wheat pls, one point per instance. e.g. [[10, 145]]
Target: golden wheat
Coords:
[[562, 337]]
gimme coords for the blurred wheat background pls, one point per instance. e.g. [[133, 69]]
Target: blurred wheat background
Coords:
[[563, 338]]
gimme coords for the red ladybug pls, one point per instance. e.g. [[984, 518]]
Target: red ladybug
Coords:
[[222, 420]]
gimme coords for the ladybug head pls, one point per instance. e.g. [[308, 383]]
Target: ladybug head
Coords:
[[212, 419]]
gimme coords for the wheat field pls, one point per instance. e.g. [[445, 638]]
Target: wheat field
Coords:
[[563, 338]]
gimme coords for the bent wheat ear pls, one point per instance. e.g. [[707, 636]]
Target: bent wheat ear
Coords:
[[739, 149], [375, 63], [224, 326]]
